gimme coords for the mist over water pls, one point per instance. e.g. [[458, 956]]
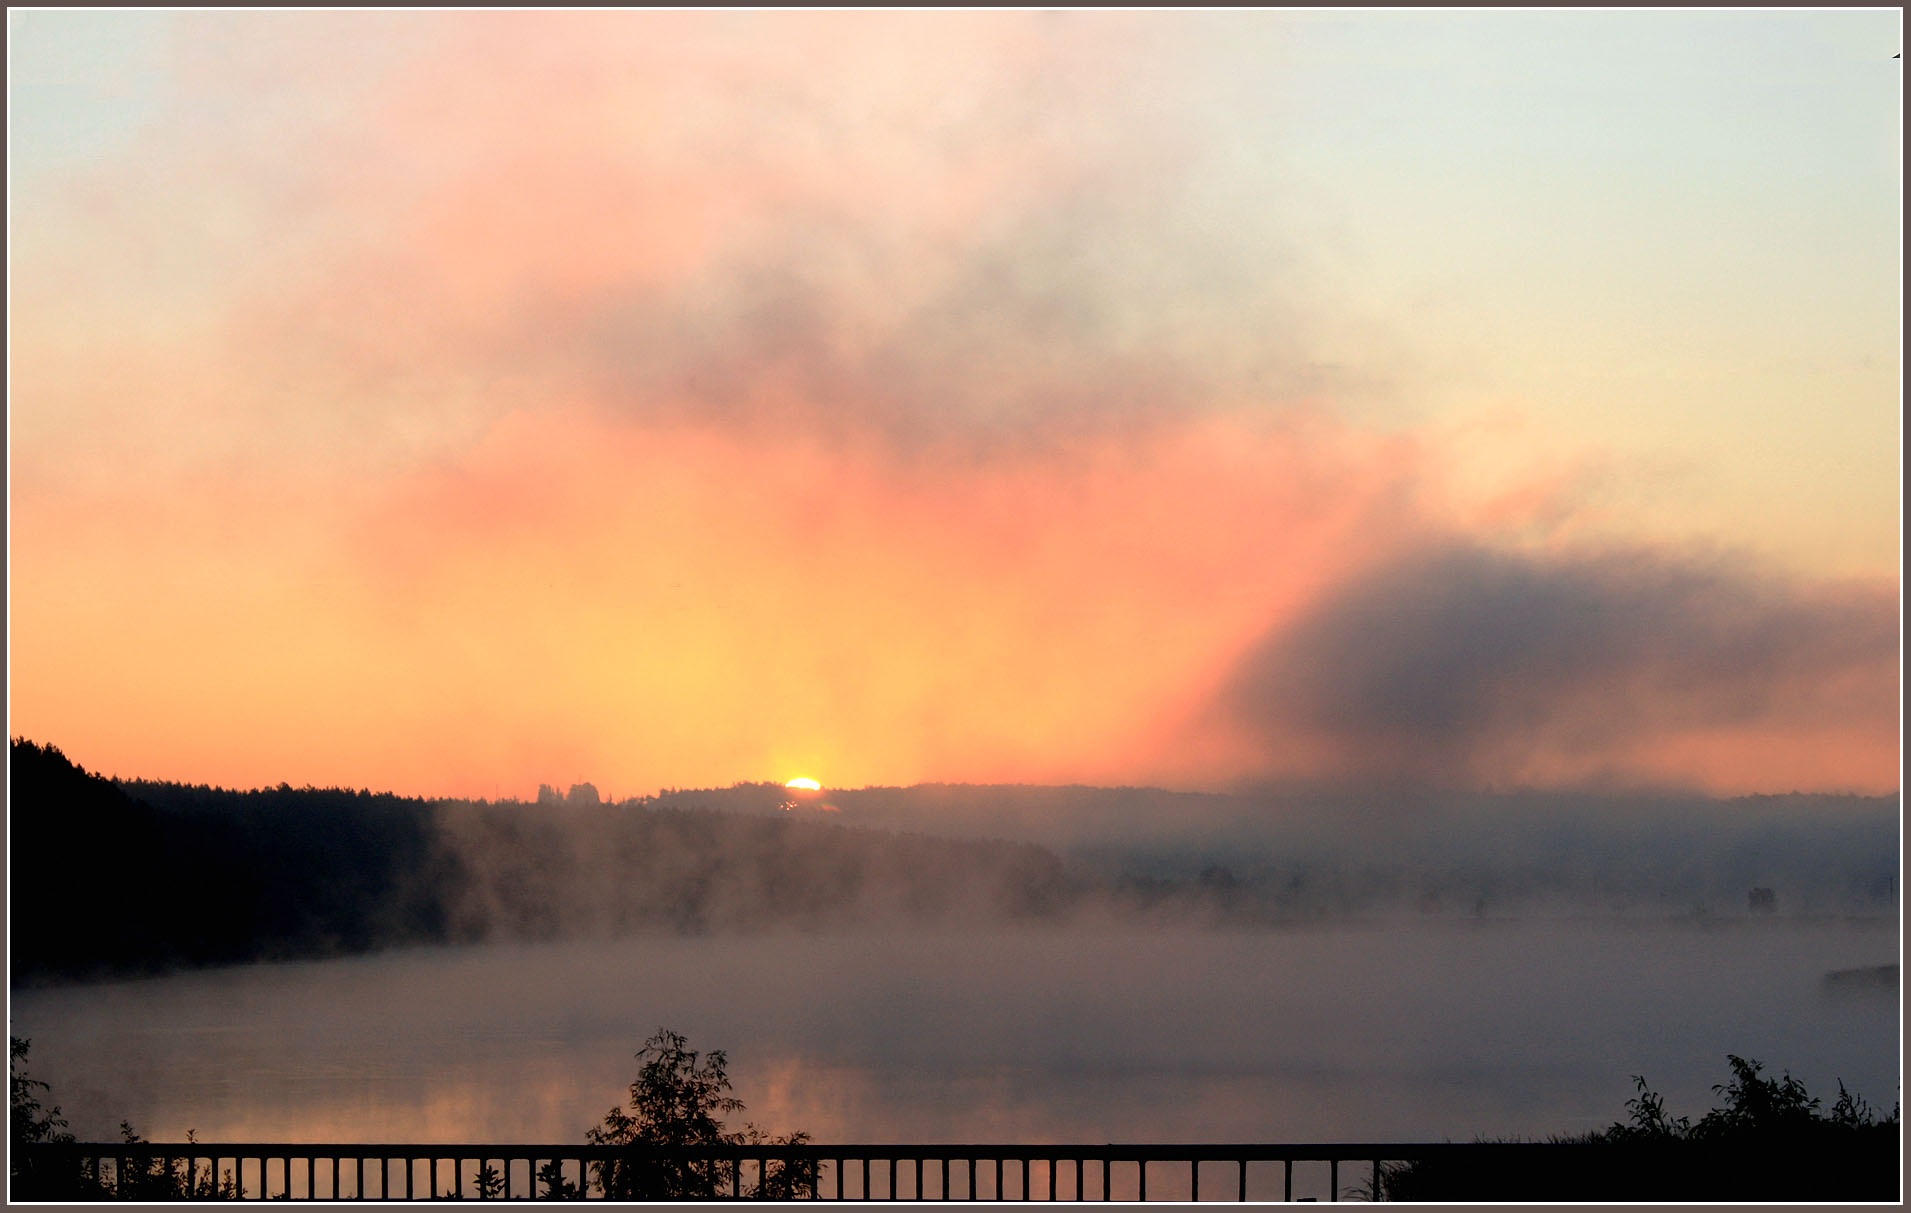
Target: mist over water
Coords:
[[1354, 1031]]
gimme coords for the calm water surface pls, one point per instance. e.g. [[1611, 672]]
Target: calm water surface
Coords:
[[1423, 1031]]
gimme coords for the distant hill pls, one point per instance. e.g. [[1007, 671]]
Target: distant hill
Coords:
[[1651, 852], [110, 877]]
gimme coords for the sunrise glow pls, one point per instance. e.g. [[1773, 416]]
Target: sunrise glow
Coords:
[[656, 397], [1344, 565]]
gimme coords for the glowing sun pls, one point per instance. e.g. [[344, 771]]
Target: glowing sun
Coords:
[[804, 784]]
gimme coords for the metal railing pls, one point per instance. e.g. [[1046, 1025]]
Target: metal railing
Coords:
[[390, 1171], [1865, 1165]]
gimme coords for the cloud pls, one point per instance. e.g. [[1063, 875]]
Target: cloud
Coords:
[[958, 232], [915, 395], [1463, 663]]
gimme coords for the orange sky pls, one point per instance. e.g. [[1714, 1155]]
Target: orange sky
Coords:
[[453, 403]]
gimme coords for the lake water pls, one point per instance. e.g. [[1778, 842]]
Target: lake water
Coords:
[[1423, 1031]]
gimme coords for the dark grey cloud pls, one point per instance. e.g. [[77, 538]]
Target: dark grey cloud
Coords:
[[1451, 663], [1082, 314]]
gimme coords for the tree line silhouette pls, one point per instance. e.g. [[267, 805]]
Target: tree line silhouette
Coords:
[[134, 876], [113, 877]]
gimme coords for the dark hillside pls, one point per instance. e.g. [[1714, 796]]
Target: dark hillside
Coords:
[[136, 877], [139, 877]]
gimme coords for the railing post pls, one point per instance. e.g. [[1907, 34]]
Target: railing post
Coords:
[[1333, 1179], [1376, 1191], [1142, 1163], [1107, 1169], [1243, 1196], [1287, 1179], [1194, 1179]]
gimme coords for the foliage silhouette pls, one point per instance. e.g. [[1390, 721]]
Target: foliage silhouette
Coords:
[[490, 1182], [679, 1099], [38, 1178], [1766, 1141], [28, 1120], [556, 1185], [174, 1179], [1649, 1121], [1759, 1105], [31, 1122]]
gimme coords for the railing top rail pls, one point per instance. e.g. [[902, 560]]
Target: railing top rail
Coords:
[[1114, 1151]]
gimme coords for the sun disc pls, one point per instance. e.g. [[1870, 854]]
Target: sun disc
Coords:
[[805, 783]]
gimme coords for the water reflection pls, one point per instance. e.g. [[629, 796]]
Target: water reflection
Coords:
[[1354, 1032]]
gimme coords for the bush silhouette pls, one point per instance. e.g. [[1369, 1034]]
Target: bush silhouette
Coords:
[[38, 1178], [679, 1099], [1766, 1141]]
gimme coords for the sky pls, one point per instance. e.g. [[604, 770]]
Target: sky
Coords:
[[450, 402]]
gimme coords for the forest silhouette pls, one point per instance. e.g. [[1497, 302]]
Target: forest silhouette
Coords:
[[113, 877]]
